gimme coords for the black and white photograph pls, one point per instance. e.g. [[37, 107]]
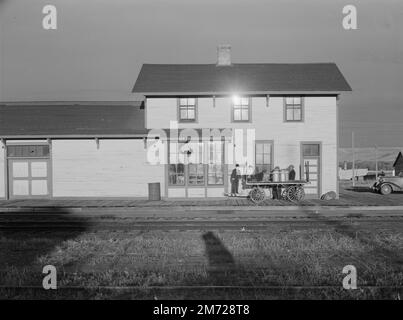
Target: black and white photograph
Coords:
[[201, 154]]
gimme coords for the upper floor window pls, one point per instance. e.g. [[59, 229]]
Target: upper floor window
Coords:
[[263, 155], [241, 109], [187, 109], [293, 109]]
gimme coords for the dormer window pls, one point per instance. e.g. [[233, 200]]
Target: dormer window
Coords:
[[187, 109]]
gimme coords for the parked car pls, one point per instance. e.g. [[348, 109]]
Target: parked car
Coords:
[[386, 185]]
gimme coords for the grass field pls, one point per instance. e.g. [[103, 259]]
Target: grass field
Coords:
[[290, 259]]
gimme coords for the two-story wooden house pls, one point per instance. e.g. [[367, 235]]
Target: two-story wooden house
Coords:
[[101, 150], [291, 109]]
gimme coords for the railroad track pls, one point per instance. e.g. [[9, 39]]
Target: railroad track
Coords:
[[203, 292], [40, 222]]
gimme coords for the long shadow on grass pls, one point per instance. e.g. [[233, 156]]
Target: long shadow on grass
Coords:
[[222, 272], [27, 236], [221, 269]]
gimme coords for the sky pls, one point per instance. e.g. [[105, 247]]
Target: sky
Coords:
[[99, 47]]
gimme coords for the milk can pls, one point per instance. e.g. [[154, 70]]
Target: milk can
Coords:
[[284, 175], [276, 175]]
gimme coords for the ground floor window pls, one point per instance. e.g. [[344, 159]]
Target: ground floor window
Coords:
[[196, 163], [176, 168], [176, 174], [196, 174], [215, 166], [215, 174]]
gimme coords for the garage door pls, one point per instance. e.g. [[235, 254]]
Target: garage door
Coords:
[[28, 171]]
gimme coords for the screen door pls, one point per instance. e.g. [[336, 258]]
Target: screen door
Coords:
[[311, 168]]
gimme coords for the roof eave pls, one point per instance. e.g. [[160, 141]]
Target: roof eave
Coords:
[[226, 93], [73, 136]]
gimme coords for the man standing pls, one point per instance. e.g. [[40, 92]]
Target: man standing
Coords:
[[235, 174], [291, 173]]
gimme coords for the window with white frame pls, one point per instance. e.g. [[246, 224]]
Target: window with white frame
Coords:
[[263, 156], [186, 165], [196, 167], [176, 167], [293, 109], [241, 109], [187, 109], [215, 166]]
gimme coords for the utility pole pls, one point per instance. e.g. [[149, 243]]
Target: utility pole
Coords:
[[376, 162], [353, 150]]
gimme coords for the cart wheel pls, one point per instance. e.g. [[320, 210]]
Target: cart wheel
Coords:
[[284, 194], [289, 193], [257, 195], [299, 193], [295, 193]]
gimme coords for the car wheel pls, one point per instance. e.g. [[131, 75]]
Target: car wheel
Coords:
[[386, 189]]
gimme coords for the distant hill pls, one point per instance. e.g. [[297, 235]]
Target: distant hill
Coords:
[[370, 165], [365, 157]]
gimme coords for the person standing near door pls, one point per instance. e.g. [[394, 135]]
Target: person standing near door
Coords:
[[235, 175]]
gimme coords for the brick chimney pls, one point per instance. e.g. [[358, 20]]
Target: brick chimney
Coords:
[[223, 55]]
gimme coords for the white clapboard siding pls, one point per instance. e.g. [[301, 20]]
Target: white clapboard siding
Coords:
[[196, 192], [176, 192], [319, 125], [215, 192], [119, 168]]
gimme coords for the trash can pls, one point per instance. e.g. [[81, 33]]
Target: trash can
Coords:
[[154, 191]]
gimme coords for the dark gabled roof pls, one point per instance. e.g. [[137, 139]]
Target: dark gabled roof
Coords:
[[399, 158], [50, 120], [267, 77]]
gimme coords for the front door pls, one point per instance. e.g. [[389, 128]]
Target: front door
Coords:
[[311, 163]]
